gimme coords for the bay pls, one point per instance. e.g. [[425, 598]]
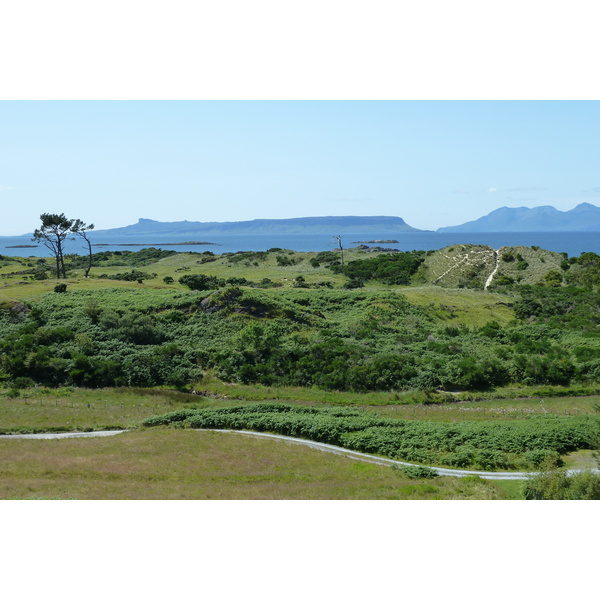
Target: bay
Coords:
[[573, 243]]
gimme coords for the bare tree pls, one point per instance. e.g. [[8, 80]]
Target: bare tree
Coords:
[[81, 229], [339, 240]]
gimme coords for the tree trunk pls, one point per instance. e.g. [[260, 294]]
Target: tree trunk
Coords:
[[62, 261], [87, 271]]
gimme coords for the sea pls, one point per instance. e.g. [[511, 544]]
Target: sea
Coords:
[[573, 243]]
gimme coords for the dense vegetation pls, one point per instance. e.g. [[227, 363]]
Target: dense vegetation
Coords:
[[335, 339], [484, 445], [393, 324], [392, 269], [559, 485]]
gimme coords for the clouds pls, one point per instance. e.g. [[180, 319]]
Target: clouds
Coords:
[[5, 188]]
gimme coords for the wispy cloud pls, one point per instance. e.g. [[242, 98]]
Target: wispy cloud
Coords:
[[526, 189], [594, 190], [5, 188], [491, 190], [461, 192]]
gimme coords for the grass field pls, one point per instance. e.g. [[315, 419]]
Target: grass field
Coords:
[[170, 463], [80, 409], [183, 464]]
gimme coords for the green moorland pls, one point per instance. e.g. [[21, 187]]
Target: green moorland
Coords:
[[404, 355]]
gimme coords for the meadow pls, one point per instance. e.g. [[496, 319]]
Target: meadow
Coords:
[[150, 333]]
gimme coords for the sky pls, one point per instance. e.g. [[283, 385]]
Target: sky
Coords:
[[433, 163], [438, 112]]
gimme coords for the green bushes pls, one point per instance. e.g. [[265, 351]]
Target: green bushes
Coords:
[[332, 339], [418, 472], [201, 282], [393, 269], [120, 258], [133, 275], [484, 445], [559, 485], [560, 307]]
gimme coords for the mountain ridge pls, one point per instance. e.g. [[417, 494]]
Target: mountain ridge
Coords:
[[584, 217], [330, 225]]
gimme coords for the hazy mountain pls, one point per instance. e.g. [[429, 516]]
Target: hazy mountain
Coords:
[[328, 225], [584, 217]]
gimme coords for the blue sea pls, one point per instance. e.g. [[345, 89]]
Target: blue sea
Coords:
[[573, 243]]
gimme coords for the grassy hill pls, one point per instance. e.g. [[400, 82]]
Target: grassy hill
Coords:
[[134, 341]]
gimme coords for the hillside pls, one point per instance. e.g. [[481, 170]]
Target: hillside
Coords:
[[478, 267], [387, 354], [584, 217]]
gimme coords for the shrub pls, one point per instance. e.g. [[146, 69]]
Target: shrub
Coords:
[[201, 282], [133, 275], [300, 282], [354, 284], [416, 472], [60, 288], [504, 280], [553, 279], [547, 458], [559, 485], [284, 261], [392, 269]]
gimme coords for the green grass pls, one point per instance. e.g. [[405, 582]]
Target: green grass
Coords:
[[509, 403], [66, 409], [184, 465], [84, 469], [459, 266], [500, 409], [468, 308], [539, 263]]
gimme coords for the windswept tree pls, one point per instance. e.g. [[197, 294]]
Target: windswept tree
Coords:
[[54, 231], [81, 229]]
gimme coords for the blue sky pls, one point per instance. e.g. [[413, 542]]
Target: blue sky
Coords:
[[433, 163]]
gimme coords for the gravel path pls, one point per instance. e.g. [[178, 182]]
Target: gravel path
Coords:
[[378, 460], [491, 277], [58, 436]]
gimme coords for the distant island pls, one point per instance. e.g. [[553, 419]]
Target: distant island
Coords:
[[584, 217], [378, 242], [154, 244], [312, 225]]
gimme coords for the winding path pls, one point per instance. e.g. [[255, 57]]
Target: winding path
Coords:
[[378, 460], [370, 458], [491, 277], [59, 436]]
